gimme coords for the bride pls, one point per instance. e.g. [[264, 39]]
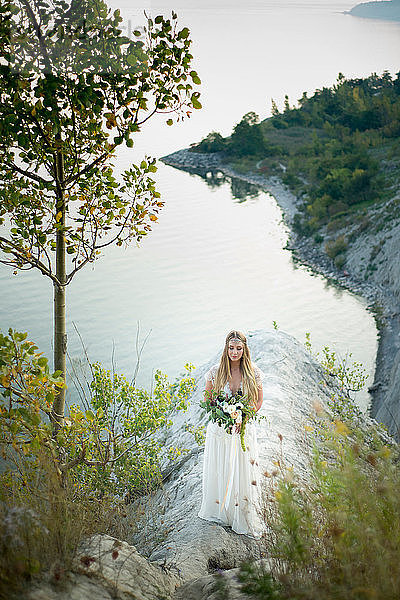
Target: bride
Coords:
[[231, 481]]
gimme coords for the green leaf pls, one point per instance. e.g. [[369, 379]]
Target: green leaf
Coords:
[[195, 103], [35, 418], [170, 122], [89, 415], [183, 34], [131, 59], [195, 77]]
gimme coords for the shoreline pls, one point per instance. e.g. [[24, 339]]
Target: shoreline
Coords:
[[380, 302]]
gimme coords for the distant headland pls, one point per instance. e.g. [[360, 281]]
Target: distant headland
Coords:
[[387, 10]]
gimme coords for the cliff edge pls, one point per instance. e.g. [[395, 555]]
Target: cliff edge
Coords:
[[177, 554]]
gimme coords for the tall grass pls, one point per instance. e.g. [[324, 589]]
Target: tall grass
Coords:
[[42, 524], [338, 534]]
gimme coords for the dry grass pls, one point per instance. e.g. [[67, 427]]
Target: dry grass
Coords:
[[42, 525], [336, 536]]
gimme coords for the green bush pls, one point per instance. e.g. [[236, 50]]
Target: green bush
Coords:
[[340, 261], [291, 180], [335, 247], [213, 142], [247, 138], [318, 238], [58, 487], [301, 225], [338, 532]]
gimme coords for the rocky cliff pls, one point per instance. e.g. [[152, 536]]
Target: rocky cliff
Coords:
[[176, 554]]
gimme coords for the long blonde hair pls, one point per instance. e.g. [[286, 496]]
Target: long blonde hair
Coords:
[[224, 370]]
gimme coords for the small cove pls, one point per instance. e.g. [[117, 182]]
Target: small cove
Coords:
[[215, 261]]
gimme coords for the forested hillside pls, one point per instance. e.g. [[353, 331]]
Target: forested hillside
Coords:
[[338, 150]]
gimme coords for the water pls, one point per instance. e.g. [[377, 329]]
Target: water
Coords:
[[213, 263]]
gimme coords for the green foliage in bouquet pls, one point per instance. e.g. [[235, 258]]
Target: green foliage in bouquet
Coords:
[[229, 411]]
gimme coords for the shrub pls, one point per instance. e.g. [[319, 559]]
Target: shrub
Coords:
[[335, 247], [318, 238], [291, 180], [247, 138], [300, 225], [340, 261], [58, 487], [213, 142], [338, 533]]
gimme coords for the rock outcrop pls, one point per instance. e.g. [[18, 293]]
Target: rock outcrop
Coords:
[[182, 551], [192, 548], [106, 569]]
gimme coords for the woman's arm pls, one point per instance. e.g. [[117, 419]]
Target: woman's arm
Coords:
[[208, 389], [260, 398]]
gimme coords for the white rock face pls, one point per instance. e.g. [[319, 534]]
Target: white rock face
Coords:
[[380, 252], [107, 569], [183, 550]]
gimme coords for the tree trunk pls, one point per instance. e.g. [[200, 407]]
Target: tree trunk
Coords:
[[60, 334]]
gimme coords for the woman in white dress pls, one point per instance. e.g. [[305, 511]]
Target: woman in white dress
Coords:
[[231, 476]]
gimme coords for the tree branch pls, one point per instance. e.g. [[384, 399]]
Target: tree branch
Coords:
[[97, 161], [28, 174], [34, 262], [38, 34]]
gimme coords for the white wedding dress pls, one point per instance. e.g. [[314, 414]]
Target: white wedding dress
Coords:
[[231, 477]]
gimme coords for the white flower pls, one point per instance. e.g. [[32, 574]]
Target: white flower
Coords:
[[239, 405], [231, 409], [238, 418], [225, 407]]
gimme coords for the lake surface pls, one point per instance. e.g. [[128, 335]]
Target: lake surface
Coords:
[[213, 262]]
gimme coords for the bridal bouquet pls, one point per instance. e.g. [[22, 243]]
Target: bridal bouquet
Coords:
[[229, 411]]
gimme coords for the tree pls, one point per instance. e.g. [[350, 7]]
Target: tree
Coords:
[[107, 444], [72, 89], [214, 142], [247, 137]]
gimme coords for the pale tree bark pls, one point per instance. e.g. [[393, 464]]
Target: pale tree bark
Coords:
[[60, 334]]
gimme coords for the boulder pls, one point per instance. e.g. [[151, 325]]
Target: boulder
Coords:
[[108, 569]]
